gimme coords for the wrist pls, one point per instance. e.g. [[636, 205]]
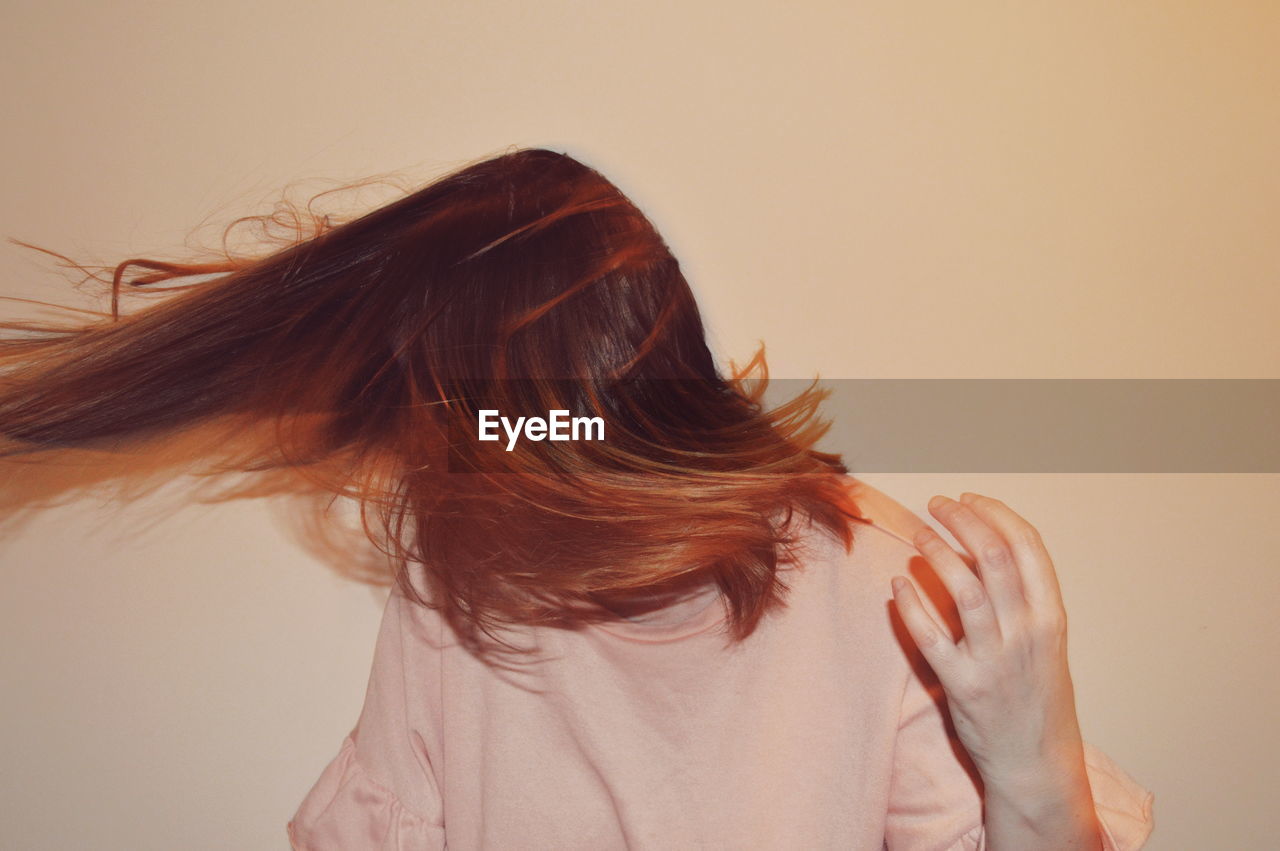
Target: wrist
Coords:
[[1050, 800], [1058, 767]]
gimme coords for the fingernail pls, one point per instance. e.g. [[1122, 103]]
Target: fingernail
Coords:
[[937, 502], [898, 583], [967, 497]]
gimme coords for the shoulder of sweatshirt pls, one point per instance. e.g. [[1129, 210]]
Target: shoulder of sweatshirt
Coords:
[[881, 511]]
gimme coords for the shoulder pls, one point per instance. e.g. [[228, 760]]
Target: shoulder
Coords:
[[878, 510], [881, 545], [886, 529]]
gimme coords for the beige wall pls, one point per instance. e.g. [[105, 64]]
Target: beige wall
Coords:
[[874, 189]]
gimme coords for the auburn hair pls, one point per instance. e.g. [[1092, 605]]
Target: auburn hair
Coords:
[[522, 283]]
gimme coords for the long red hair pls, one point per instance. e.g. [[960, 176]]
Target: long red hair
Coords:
[[523, 283]]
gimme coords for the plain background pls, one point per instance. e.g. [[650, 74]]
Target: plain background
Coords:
[[874, 189]]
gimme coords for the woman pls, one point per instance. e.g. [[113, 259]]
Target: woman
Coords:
[[681, 626]]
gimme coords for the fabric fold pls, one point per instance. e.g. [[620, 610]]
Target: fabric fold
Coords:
[[348, 809], [1124, 807]]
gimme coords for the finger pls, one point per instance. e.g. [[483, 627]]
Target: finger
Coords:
[[1039, 579], [997, 564], [977, 614], [934, 641]]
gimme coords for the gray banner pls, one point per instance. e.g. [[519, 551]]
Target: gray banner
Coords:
[[1050, 425]]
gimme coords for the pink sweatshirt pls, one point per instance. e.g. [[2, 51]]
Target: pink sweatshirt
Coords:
[[817, 732]]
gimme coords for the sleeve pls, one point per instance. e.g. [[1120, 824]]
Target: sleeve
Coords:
[[380, 792], [935, 799]]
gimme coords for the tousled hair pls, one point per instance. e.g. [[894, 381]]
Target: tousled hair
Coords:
[[522, 283]]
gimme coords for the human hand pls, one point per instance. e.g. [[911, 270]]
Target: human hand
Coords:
[[1008, 689]]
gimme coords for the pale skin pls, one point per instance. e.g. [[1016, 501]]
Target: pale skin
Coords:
[[1008, 689]]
